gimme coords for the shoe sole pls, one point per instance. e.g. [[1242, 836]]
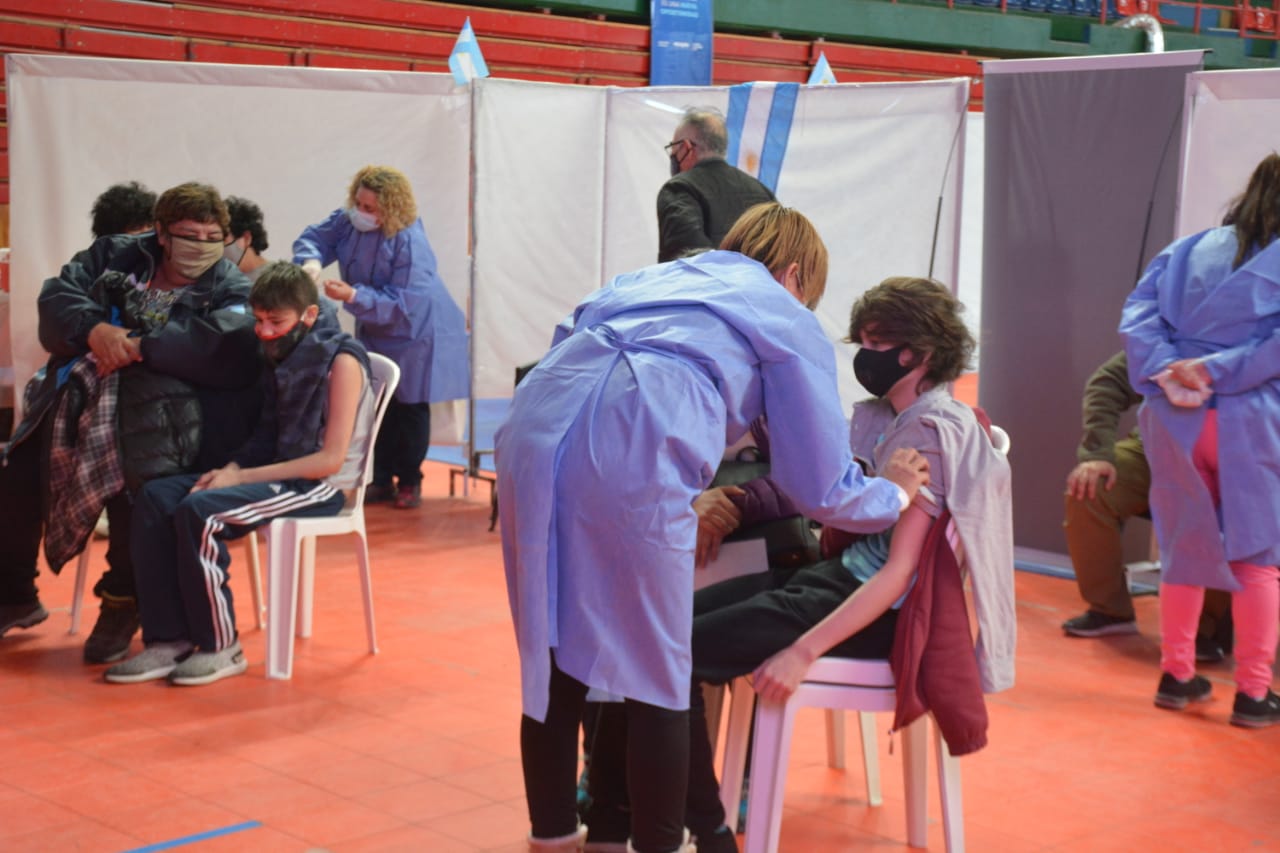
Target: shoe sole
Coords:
[[111, 658], [236, 668], [138, 678], [1105, 631], [29, 621], [1246, 722], [1178, 703]]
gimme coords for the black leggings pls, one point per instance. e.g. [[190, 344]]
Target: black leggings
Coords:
[[656, 756]]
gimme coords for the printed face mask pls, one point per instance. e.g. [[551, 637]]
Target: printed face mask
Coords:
[[192, 257], [878, 370], [278, 349], [362, 221]]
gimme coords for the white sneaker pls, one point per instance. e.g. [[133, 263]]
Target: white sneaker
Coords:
[[154, 662], [208, 667]]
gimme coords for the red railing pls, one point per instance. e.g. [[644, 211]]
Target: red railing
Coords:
[[1249, 20]]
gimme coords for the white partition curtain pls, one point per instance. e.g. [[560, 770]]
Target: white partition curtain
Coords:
[[557, 183], [1081, 158], [289, 139], [539, 154], [1231, 121]]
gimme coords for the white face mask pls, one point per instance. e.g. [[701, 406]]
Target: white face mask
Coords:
[[362, 221]]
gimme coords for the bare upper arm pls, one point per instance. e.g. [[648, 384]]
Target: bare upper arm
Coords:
[[346, 382]]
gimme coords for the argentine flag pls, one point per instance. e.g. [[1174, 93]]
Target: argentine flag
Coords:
[[466, 62], [759, 125], [822, 74]]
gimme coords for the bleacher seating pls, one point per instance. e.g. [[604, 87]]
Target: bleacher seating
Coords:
[[417, 36]]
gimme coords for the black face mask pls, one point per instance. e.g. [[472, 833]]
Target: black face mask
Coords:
[[675, 165], [878, 370], [278, 349]]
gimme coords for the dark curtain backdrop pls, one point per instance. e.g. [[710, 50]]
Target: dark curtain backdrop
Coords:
[[1079, 162]]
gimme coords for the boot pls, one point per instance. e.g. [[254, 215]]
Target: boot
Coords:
[[571, 843], [686, 847]]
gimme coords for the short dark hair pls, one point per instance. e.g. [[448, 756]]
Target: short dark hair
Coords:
[[284, 285], [197, 202], [123, 209], [247, 216], [924, 315]]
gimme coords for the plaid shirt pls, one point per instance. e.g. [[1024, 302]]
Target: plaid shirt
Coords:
[[84, 463]]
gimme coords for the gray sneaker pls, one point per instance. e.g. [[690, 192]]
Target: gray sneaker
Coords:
[[155, 661], [208, 667], [21, 616]]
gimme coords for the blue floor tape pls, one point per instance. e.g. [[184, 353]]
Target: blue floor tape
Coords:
[[200, 836]]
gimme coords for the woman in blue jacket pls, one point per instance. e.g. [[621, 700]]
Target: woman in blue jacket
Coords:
[[1203, 338], [390, 285]]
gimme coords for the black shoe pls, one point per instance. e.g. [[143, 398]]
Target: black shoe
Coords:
[[117, 623], [1094, 624], [376, 493], [1208, 651], [21, 616], [1256, 713], [720, 841], [1174, 695]]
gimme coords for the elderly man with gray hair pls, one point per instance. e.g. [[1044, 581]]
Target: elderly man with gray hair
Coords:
[[705, 195]]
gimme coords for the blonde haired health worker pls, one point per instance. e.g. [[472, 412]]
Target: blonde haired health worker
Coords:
[[403, 311], [607, 443]]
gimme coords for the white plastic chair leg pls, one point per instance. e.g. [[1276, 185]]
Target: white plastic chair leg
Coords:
[[366, 586], [870, 757], [949, 794], [772, 751], [255, 578], [915, 772], [835, 739], [306, 586], [742, 700], [77, 590], [282, 598]]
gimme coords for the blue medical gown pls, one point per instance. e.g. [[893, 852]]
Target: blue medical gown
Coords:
[[1191, 304], [401, 306], [615, 432]]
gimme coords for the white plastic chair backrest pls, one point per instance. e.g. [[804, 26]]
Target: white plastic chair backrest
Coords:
[[386, 376], [1000, 439]]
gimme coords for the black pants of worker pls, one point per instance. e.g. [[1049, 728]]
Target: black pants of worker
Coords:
[[22, 496], [402, 444], [737, 625], [656, 752]]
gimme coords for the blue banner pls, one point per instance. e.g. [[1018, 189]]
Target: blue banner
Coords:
[[680, 42]]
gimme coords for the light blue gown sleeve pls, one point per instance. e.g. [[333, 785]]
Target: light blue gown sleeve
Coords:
[[319, 242], [1146, 334], [1245, 367], [400, 305], [809, 447]]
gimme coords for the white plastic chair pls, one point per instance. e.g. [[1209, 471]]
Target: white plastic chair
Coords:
[[291, 549], [837, 684]]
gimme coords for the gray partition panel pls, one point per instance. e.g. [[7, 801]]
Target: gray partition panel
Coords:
[[1081, 160]]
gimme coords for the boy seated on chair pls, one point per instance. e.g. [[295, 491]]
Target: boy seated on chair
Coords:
[[308, 448], [912, 344]]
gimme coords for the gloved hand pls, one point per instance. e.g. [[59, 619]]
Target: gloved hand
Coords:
[[1179, 394], [313, 269]]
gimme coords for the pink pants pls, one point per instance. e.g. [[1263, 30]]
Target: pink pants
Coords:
[[1255, 607]]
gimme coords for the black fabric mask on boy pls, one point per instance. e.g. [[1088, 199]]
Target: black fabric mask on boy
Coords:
[[277, 349], [878, 370]]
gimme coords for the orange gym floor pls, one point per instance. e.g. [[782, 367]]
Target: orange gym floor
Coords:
[[416, 749]]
